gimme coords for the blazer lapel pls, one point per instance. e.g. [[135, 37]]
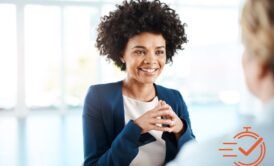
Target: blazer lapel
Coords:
[[119, 119]]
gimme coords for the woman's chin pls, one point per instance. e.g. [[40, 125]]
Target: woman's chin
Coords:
[[148, 80]]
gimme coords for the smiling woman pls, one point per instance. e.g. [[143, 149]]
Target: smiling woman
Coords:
[[145, 59], [135, 121]]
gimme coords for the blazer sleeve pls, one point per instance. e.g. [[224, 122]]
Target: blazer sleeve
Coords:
[[98, 148], [184, 116]]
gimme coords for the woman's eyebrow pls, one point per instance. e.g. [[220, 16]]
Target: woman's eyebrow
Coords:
[[145, 47], [139, 47], [160, 47]]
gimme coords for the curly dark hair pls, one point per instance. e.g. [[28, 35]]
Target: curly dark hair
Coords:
[[134, 17]]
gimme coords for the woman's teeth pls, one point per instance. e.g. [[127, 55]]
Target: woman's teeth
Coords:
[[148, 70]]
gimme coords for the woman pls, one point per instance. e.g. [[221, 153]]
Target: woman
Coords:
[[257, 24], [134, 121]]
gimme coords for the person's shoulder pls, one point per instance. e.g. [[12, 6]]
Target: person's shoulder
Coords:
[[209, 147], [105, 85], [170, 95], [200, 153], [167, 90], [103, 90]]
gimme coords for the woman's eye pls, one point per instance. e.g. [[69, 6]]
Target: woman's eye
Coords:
[[139, 52], [159, 52]]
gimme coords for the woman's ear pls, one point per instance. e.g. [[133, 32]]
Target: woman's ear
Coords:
[[264, 70], [122, 60]]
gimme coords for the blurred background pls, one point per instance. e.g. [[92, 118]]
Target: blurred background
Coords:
[[48, 60]]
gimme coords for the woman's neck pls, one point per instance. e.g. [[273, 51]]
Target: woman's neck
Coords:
[[137, 90]]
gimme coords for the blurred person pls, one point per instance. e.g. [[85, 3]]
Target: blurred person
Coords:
[[257, 25], [135, 121]]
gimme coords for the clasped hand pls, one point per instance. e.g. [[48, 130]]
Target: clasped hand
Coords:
[[160, 118]]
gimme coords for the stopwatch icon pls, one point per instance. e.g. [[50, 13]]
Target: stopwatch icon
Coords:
[[248, 148]]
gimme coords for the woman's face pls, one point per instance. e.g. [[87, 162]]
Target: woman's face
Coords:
[[145, 57]]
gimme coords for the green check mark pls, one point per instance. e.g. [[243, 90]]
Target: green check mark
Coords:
[[246, 153]]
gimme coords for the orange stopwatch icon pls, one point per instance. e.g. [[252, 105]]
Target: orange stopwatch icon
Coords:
[[248, 148]]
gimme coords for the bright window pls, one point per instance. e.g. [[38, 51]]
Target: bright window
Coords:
[[43, 55], [81, 57], [8, 58]]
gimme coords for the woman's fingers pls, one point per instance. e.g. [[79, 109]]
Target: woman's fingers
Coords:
[[160, 118], [172, 129], [158, 128], [163, 112], [162, 121]]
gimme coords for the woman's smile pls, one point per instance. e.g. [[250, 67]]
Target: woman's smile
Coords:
[[148, 71]]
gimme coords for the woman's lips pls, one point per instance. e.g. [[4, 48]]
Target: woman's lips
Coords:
[[148, 71]]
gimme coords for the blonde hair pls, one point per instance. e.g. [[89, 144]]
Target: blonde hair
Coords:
[[257, 24]]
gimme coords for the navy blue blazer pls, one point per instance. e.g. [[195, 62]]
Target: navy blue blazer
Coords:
[[108, 141]]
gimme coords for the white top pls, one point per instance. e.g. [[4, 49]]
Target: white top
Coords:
[[152, 153], [206, 153]]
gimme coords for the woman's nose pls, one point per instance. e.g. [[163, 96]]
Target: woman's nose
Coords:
[[150, 58]]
